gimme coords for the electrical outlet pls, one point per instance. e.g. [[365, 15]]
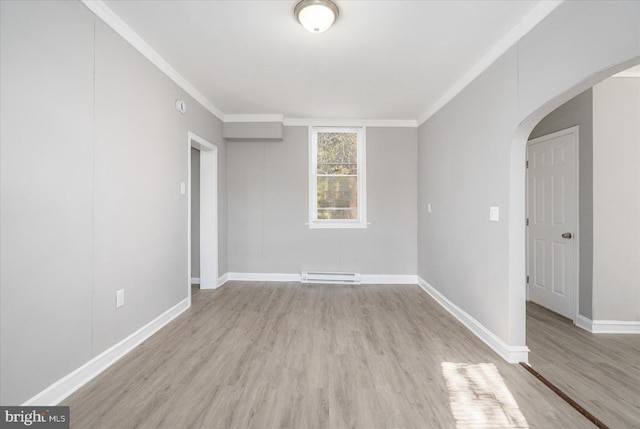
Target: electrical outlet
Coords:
[[119, 298], [494, 214]]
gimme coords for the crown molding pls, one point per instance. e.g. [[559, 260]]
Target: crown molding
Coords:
[[102, 11], [627, 73], [526, 24], [392, 123]]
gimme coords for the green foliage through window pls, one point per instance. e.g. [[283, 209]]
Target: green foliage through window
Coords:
[[337, 175]]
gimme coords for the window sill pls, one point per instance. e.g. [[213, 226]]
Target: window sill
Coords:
[[337, 225]]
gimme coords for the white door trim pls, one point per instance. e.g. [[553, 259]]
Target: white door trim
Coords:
[[575, 131], [208, 212]]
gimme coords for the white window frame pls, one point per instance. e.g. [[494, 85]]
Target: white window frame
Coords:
[[361, 221]]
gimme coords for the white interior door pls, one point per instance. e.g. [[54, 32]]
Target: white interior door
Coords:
[[552, 221]]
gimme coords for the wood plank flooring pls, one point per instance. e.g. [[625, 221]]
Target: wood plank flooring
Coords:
[[287, 355], [599, 371]]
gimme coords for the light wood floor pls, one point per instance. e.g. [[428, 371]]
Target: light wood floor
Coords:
[[599, 371], [286, 355]]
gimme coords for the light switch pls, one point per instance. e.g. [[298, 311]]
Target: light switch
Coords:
[[429, 208], [183, 188], [119, 298], [494, 214]]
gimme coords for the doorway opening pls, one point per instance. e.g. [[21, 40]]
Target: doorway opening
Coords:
[[517, 197], [194, 193], [207, 218], [607, 299], [552, 221]]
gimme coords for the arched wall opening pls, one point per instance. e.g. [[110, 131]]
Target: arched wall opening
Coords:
[[517, 196]]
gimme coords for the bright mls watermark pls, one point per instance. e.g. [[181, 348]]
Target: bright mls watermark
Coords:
[[34, 417]]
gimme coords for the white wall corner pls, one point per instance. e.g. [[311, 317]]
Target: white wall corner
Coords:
[[223, 279], [512, 354], [64, 387], [584, 323]]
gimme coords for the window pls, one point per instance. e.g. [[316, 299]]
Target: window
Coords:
[[337, 178]]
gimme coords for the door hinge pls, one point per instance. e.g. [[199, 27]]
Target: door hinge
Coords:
[[527, 279], [527, 222], [526, 164]]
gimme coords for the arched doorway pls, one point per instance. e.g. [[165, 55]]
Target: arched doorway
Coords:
[[517, 197], [586, 367]]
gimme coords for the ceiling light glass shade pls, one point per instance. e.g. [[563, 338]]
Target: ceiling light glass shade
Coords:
[[316, 15]]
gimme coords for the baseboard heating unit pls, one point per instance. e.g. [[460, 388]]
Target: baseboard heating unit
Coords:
[[330, 277]]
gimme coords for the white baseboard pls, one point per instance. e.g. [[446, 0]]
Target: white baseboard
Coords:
[[287, 277], [195, 280], [615, 327], [389, 279], [223, 279], [608, 326], [264, 277], [512, 354], [64, 387], [584, 323]]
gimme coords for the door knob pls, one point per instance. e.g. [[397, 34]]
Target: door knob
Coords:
[[567, 235]]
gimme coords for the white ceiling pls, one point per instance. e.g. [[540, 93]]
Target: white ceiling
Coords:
[[381, 60]]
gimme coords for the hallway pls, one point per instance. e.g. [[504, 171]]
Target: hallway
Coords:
[[599, 371]]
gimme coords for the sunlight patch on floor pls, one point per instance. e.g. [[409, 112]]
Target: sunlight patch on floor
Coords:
[[480, 399]]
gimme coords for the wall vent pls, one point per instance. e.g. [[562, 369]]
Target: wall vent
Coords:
[[329, 277]]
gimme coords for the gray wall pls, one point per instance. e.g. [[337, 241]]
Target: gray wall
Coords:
[[269, 206], [46, 197], [252, 130], [91, 167], [195, 213], [466, 149], [579, 111], [463, 170], [616, 199]]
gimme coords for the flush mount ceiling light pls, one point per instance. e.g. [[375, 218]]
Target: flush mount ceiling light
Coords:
[[316, 15]]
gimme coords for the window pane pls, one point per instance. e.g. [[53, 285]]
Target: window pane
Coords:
[[337, 214], [337, 176], [337, 168], [337, 192], [337, 148]]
